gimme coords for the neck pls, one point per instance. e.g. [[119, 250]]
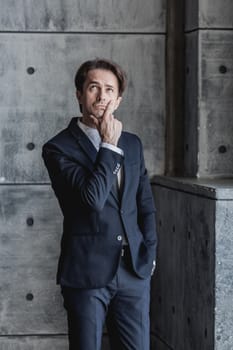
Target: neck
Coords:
[[87, 121]]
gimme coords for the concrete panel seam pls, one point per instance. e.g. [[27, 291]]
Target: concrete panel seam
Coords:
[[84, 33], [41, 335], [188, 192], [207, 29]]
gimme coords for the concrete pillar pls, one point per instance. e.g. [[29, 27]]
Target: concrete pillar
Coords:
[[192, 289], [193, 285], [175, 56], [209, 88]]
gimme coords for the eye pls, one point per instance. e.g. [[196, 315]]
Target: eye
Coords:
[[93, 87], [110, 89]]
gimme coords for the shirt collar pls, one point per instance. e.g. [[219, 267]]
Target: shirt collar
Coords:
[[91, 133]]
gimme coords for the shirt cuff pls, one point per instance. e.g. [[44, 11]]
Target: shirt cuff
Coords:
[[112, 148]]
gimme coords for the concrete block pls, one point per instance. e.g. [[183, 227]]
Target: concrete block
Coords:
[[208, 14], [183, 289], [55, 342], [45, 342], [38, 95], [30, 232], [224, 275], [192, 287], [209, 112], [83, 16]]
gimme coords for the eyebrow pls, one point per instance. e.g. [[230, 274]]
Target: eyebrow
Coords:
[[96, 82]]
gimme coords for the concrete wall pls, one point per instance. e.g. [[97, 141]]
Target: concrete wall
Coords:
[[42, 43], [209, 88]]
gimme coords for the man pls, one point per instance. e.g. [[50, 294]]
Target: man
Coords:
[[108, 245]]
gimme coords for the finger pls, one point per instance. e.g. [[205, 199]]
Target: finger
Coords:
[[109, 110], [95, 121]]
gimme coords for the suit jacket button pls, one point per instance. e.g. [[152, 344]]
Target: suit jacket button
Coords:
[[119, 238]]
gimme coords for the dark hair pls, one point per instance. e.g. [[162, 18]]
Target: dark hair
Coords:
[[100, 63]]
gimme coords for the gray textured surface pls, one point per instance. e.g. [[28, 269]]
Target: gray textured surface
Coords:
[[58, 342], [224, 275], [191, 104], [215, 188], [191, 14], [34, 107], [209, 104], [183, 288], [175, 61], [28, 261], [83, 15], [34, 343], [54, 38], [216, 103], [193, 286], [209, 14]]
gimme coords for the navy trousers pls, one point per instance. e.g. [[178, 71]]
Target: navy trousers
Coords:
[[123, 304]]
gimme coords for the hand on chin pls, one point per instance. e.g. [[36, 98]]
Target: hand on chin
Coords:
[[96, 119], [98, 114]]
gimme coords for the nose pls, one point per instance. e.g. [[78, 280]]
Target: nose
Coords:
[[101, 95]]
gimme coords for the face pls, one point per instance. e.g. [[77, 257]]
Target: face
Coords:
[[100, 87]]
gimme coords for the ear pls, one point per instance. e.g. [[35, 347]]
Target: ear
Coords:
[[79, 96], [117, 103]]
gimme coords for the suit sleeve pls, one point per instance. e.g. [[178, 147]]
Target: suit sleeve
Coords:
[[145, 205], [92, 186]]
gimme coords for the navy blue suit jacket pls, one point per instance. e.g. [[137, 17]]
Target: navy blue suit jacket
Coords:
[[82, 180]]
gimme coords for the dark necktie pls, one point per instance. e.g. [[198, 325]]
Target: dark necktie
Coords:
[[116, 189]]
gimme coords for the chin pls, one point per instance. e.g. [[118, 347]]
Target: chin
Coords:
[[99, 115]]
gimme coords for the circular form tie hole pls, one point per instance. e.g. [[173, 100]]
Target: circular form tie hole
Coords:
[[222, 69], [30, 146], [29, 297], [31, 70], [222, 149], [30, 221]]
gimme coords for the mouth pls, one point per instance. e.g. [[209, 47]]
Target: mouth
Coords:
[[100, 106]]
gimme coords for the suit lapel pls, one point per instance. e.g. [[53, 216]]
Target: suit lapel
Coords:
[[126, 174], [115, 192], [83, 141]]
